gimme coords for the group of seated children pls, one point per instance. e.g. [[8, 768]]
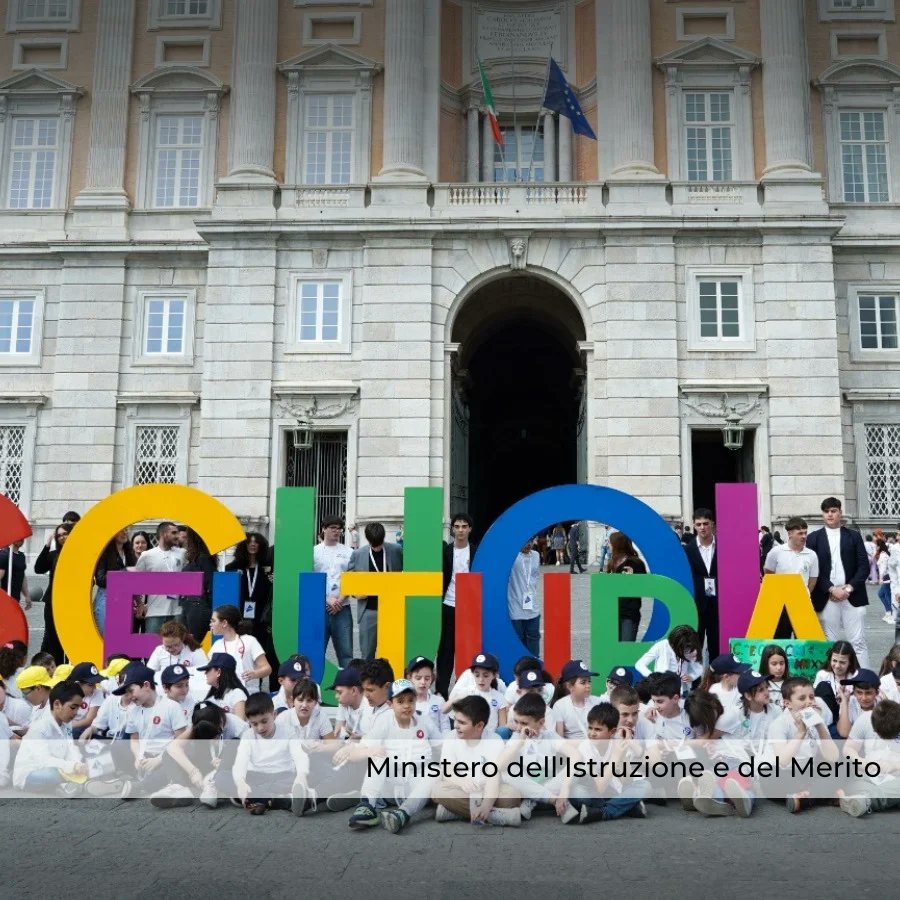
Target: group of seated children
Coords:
[[491, 753]]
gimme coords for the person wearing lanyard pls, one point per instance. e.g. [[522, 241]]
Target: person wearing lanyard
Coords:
[[378, 556], [524, 607], [250, 557], [332, 557], [701, 555]]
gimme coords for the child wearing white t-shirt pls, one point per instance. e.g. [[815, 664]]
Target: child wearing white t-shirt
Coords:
[[225, 688], [16, 710], [420, 671], [178, 648], [347, 689], [87, 677], [721, 679], [306, 721], [475, 792], [176, 681], [269, 771], [573, 700], [530, 681], [398, 738], [484, 669], [881, 792]]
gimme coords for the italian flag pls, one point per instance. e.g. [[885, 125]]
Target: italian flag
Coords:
[[489, 104]]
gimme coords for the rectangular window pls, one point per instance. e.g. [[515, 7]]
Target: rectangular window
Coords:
[[322, 466], [720, 313], [178, 151], [883, 463], [319, 311], [156, 454], [708, 134], [16, 325], [164, 330], [182, 8], [878, 321], [864, 150], [514, 161], [12, 461], [33, 161], [328, 139], [32, 11], [856, 4]]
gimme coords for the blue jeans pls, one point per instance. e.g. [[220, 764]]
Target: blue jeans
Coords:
[[98, 605], [615, 807], [339, 628], [884, 595], [529, 633], [43, 780]]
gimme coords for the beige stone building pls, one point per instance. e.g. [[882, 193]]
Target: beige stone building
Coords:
[[249, 243]]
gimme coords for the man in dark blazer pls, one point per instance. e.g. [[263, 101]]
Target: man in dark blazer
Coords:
[[701, 554], [839, 596], [375, 556], [458, 556]]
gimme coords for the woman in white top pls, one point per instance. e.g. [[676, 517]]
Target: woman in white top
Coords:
[[679, 653], [248, 654]]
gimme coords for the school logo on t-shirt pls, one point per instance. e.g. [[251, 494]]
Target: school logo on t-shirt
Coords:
[[434, 708], [84, 704], [493, 702], [156, 720], [420, 734], [687, 731], [227, 708]]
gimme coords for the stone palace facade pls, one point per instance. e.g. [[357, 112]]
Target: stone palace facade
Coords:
[[250, 243]]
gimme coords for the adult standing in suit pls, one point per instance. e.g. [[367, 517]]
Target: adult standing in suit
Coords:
[[458, 556], [701, 555], [839, 596], [376, 556]]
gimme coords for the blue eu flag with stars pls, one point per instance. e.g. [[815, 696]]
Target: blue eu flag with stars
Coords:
[[561, 99]]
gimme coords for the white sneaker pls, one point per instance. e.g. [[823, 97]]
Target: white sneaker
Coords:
[[855, 806], [299, 796], [526, 808], [208, 795], [570, 814], [442, 814], [887, 617], [68, 789], [686, 788], [172, 795], [740, 798], [510, 818], [104, 788]]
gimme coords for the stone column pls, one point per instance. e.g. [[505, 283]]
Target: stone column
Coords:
[[472, 142], [487, 150], [105, 185], [253, 92], [550, 146], [565, 149], [785, 79], [625, 67], [404, 64]]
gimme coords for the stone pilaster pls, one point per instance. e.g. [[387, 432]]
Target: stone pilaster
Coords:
[[253, 92], [105, 186], [625, 63], [785, 77], [550, 146], [404, 91], [565, 149], [487, 150], [472, 142]]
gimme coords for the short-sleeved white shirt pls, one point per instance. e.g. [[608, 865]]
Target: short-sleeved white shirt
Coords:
[[573, 718], [244, 649], [112, 716], [783, 561], [155, 725], [404, 744], [349, 718], [87, 704], [488, 749], [288, 725], [160, 658], [495, 700], [229, 700]]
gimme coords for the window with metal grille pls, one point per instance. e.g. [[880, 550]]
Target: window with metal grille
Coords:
[[515, 160], [179, 151], [864, 154], [44, 10], [324, 467], [720, 309], [328, 144], [883, 464], [878, 316], [156, 454], [12, 459], [32, 162], [164, 326], [708, 129], [16, 324]]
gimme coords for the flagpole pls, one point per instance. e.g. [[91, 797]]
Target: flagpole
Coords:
[[538, 120], [502, 156], [512, 75]]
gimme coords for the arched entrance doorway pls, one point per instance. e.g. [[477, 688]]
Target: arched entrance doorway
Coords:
[[518, 411]]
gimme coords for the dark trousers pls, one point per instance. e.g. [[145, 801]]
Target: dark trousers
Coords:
[[50, 644], [708, 624], [446, 649], [574, 561]]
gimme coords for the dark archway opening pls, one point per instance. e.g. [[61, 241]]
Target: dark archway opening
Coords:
[[520, 374]]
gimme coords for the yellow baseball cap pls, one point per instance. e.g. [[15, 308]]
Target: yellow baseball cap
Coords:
[[115, 668], [34, 676], [62, 672]]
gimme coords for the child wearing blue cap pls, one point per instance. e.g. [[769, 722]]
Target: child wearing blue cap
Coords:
[[484, 669], [87, 676], [531, 681], [573, 700], [289, 673], [860, 694], [176, 682], [225, 688], [721, 678], [398, 748]]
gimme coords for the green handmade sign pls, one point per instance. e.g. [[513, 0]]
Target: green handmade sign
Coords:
[[805, 658]]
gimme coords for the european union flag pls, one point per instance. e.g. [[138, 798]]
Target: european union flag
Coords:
[[561, 99]]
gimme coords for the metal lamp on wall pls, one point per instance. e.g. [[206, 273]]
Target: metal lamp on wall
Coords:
[[302, 433], [733, 433]]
